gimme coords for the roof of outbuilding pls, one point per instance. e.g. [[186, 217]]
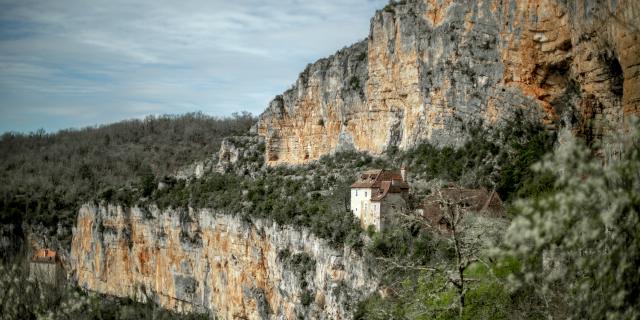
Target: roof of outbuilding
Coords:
[[475, 199]]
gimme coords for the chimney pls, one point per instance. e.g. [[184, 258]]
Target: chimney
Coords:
[[403, 173]]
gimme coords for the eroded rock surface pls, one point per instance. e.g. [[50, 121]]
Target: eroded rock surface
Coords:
[[201, 260], [429, 67], [241, 155]]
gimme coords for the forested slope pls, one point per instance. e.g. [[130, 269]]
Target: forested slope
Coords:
[[45, 176]]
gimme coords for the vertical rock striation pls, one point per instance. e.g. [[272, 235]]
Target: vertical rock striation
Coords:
[[199, 260], [311, 118], [429, 67]]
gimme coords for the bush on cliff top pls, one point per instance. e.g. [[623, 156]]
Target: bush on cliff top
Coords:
[[285, 200]]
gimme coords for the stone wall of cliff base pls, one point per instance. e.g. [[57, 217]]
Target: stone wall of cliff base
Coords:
[[431, 66], [196, 260]]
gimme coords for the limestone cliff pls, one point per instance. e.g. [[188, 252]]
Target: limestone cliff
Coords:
[[194, 260], [429, 67]]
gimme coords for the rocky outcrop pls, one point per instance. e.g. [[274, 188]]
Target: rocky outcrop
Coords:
[[195, 170], [241, 155], [196, 260], [429, 67]]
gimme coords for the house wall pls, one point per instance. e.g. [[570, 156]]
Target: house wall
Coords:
[[360, 201], [50, 273], [392, 205], [372, 216], [375, 212]]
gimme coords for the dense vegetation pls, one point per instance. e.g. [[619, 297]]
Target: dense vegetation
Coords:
[[46, 176], [495, 159], [579, 248], [24, 298], [567, 254], [578, 213], [316, 195]]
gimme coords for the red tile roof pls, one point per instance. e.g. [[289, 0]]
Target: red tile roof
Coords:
[[476, 200], [46, 256], [385, 181]]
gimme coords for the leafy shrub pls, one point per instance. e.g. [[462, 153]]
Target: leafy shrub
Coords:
[[306, 298], [579, 246], [500, 159], [354, 83]]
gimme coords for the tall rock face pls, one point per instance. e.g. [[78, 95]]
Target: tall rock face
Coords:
[[311, 119], [198, 260], [429, 67]]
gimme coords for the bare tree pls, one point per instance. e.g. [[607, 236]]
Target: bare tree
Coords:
[[454, 208]]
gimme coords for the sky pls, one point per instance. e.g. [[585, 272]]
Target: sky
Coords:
[[77, 63]]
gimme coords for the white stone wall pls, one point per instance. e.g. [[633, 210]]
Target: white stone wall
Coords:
[[360, 201], [369, 212], [50, 273], [372, 216]]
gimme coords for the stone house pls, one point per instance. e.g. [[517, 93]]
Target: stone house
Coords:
[[377, 195], [479, 201], [45, 266]]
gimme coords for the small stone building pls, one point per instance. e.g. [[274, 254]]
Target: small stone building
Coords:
[[45, 266], [377, 195], [478, 201]]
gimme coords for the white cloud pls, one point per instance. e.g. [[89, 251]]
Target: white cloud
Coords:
[[164, 55]]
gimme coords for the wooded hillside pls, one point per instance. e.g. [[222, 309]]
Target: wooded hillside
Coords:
[[45, 176]]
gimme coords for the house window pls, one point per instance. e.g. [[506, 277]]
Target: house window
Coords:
[[365, 193], [356, 193]]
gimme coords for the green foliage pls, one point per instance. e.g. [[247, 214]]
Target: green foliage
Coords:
[[430, 295], [499, 159], [579, 247], [354, 83], [390, 7], [410, 245], [526, 146], [263, 198], [147, 181], [300, 263], [307, 297], [45, 177], [420, 269], [25, 298], [488, 297]]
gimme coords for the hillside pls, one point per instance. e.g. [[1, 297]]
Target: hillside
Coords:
[[531, 103], [47, 176]]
